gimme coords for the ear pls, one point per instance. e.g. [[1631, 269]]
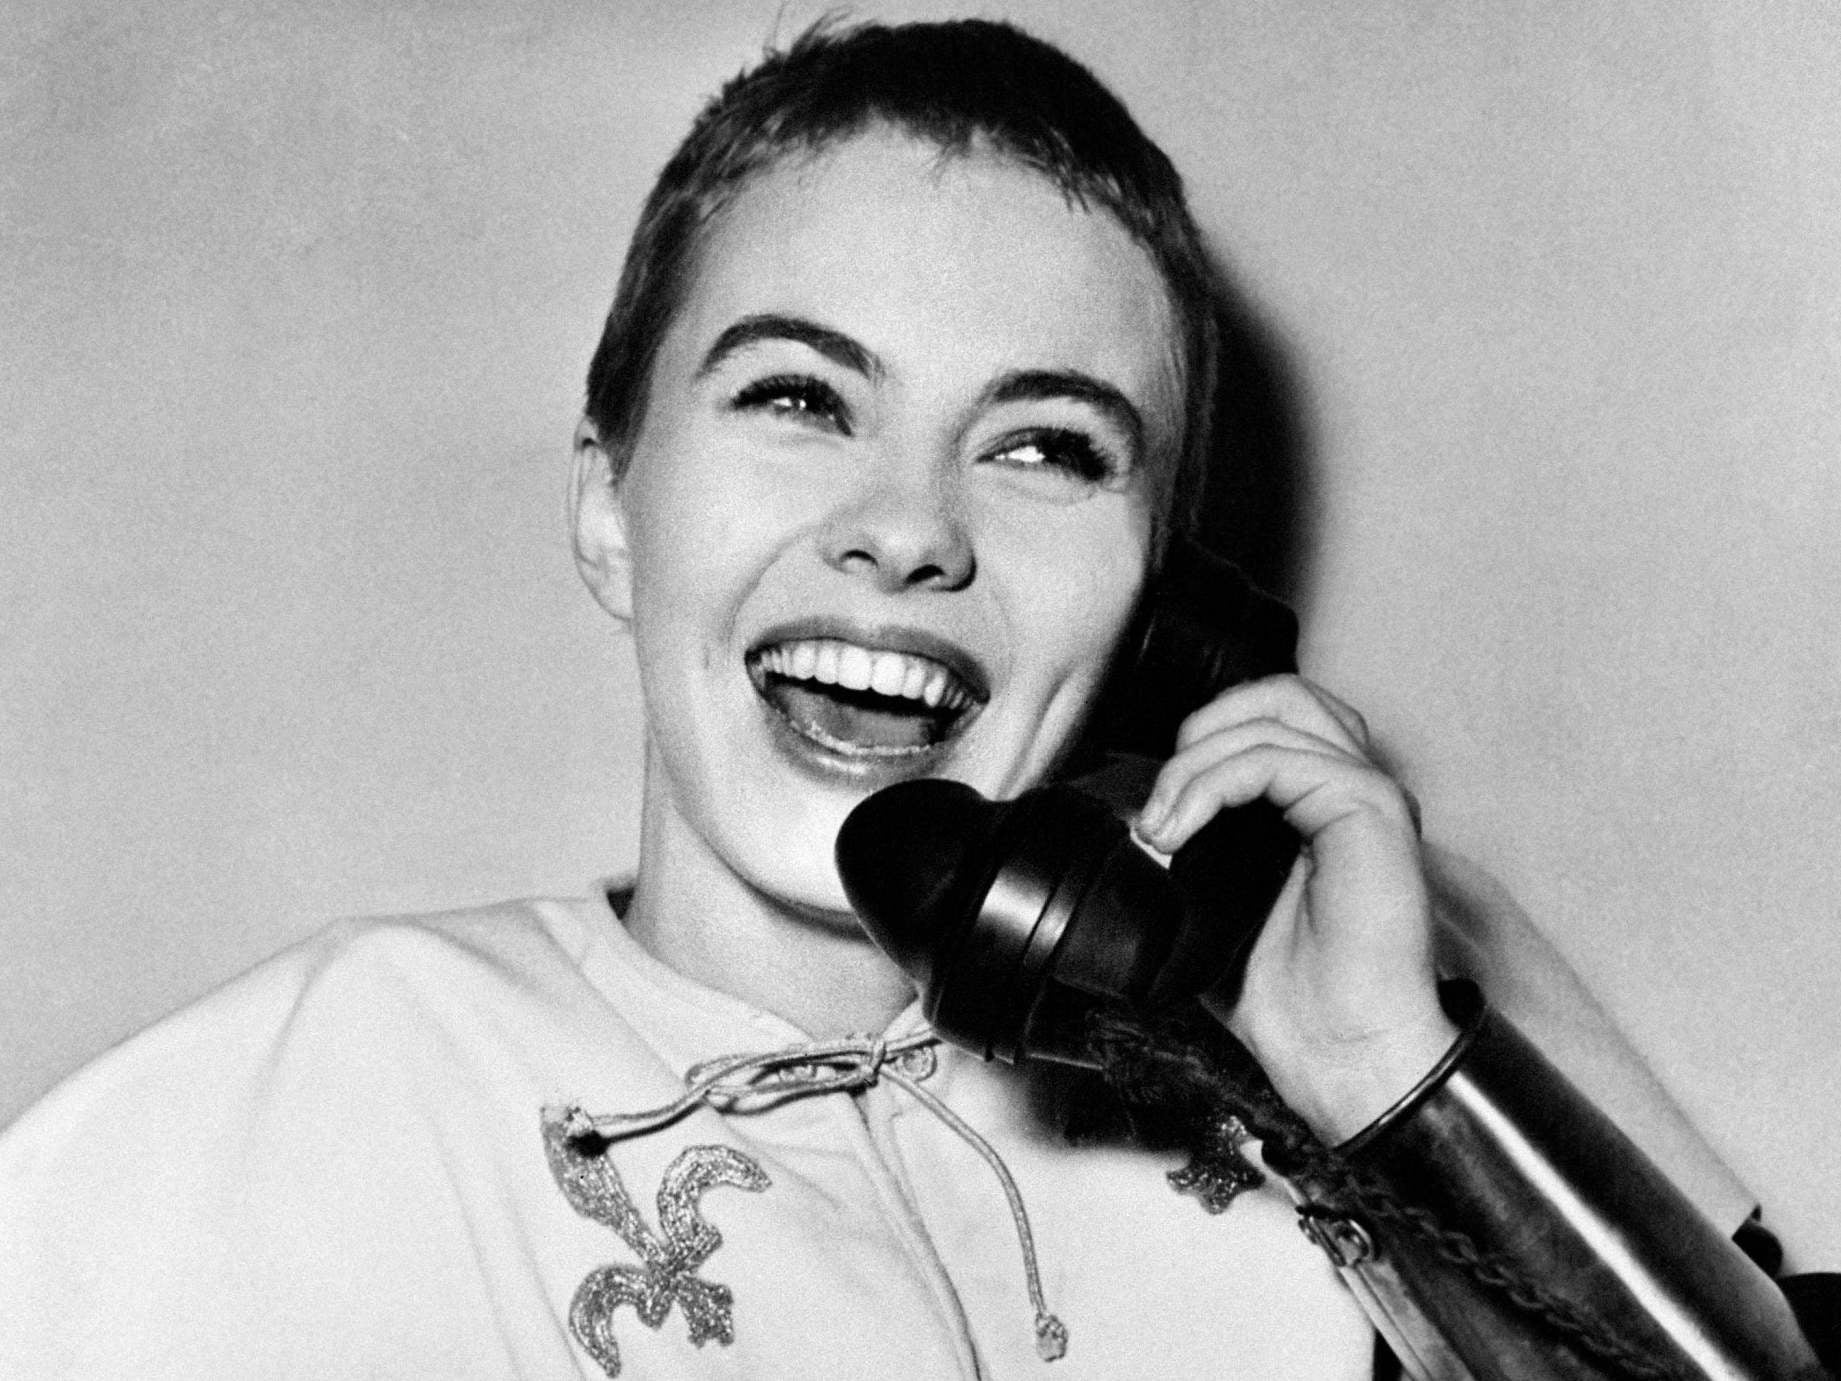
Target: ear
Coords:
[[597, 520]]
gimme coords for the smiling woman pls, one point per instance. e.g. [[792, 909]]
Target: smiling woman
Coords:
[[904, 402], [872, 430]]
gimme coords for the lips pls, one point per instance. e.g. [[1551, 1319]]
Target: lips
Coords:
[[884, 698]]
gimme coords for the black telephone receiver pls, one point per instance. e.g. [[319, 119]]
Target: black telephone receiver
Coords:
[[1015, 919]]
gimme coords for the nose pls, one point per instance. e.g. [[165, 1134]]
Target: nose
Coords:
[[903, 530]]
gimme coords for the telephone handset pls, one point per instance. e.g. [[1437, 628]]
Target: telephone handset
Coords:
[[1016, 919], [1020, 920]]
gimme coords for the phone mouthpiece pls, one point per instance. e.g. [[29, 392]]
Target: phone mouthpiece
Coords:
[[910, 856], [1013, 918]]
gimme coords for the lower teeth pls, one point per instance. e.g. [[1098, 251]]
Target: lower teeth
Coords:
[[855, 723], [860, 750]]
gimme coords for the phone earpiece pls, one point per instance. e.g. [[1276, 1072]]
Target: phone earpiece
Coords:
[[1015, 919], [1202, 627]]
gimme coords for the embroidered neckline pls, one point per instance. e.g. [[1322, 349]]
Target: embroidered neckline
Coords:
[[749, 1083]]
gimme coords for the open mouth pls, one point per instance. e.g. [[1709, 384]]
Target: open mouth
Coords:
[[864, 702]]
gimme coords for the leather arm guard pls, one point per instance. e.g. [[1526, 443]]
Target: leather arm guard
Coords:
[[1498, 1226]]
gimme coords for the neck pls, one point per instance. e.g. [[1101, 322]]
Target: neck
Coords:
[[815, 969]]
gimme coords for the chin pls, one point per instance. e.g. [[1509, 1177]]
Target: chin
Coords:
[[777, 833], [807, 886]]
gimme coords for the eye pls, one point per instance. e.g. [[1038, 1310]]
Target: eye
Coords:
[[1060, 450], [798, 396]]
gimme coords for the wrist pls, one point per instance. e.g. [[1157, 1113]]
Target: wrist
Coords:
[[1342, 1081], [1343, 1089]]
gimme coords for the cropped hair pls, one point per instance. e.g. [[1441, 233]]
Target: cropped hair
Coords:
[[965, 86]]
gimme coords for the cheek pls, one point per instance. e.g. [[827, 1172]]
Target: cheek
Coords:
[[1082, 584], [701, 518]]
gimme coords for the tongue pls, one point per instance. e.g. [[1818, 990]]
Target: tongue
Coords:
[[861, 718]]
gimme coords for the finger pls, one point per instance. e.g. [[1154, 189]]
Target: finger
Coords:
[[1351, 719], [1200, 756], [1288, 698], [1355, 739], [1315, 787]]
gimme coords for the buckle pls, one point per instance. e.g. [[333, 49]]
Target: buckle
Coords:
[[1344, 1240]]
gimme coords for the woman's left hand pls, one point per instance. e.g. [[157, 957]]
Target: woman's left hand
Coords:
[[1339, 1002]]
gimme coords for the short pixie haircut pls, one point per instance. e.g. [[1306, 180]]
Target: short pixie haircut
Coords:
[[965, 86]]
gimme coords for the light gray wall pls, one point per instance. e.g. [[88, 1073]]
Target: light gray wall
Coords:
[[296, 301]]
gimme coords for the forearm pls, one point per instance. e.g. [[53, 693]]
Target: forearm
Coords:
[[1531, 1188]]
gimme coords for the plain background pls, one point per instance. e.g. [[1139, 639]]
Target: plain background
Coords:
[[296, 302]]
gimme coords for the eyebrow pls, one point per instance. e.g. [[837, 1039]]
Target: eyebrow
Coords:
[[1018, 386], [835, 346], [1047, 385]]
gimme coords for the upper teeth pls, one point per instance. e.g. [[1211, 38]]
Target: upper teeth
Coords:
[[858, 668]]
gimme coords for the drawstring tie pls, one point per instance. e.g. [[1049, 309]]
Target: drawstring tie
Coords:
[[754, 1083]]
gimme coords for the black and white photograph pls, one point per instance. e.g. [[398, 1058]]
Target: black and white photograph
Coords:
[[747, 689]]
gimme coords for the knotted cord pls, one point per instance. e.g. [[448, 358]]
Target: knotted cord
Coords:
[[753, 1083]]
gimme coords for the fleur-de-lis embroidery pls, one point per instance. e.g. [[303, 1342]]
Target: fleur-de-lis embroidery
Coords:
[[669, 1258], [1219, 1170]]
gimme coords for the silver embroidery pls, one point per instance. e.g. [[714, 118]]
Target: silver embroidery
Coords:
[[739, 1084], [1219, 1172], [670, 1258]]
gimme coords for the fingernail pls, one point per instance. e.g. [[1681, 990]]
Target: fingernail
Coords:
[[1153, 818]]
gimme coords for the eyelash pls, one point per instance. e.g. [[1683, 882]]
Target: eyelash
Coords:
[[812, 400], [1076, 453], [796, 395]]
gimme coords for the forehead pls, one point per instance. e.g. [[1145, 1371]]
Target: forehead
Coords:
[[944, 264]]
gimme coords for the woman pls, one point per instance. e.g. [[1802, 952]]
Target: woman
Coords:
[[902, 400]]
